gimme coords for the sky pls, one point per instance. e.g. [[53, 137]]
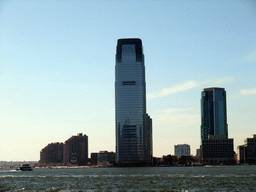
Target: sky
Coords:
[[57, 70]]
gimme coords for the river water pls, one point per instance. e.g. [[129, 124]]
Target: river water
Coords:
[[225, 178]]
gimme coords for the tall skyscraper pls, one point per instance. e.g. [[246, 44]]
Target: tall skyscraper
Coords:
[[133, 125], [214, 113], [216, 148]]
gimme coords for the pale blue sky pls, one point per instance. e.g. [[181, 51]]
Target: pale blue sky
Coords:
[[57, 67]]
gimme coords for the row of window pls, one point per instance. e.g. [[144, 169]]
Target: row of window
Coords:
[[128, 82], [217, 141]]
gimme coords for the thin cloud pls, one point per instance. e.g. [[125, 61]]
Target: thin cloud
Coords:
[[190, 85], [175, 89], [248, 92]]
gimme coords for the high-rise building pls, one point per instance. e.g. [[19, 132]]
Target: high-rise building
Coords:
[[216, 148], [133, 125], [75, 150], [52, 154], [182, 150], [214, 113]]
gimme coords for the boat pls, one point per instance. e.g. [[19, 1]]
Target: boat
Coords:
[[24, 167]]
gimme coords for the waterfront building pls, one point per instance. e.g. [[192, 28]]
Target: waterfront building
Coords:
[[241, 154], [217, 151], [247, 153], [198, 152], [94, 158], [182, 150], [52, 154], [133, 125], [214, 113], [216, 148], [106, 158], [148, 139], [75, 150], [103, 158], [169, 160]]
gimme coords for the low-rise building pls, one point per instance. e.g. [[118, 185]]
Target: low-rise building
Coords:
[[94, 158], [217, 151], [103, 158], [169, 160], [198, 152], [247, 153]]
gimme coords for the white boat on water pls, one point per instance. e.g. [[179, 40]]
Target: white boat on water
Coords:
[[24, 167]]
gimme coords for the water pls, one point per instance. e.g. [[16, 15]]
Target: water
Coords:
[[230, 178]]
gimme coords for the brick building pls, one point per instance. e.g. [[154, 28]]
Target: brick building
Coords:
[[52, 154], [75, 150]]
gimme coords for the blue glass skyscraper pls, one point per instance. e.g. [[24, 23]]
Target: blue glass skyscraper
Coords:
[[133, 125], [216, 148], [214, 113]]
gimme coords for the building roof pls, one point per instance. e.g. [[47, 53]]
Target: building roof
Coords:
[[213, 89]]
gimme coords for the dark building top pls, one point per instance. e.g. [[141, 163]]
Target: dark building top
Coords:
[[134, 41], [75, 138], [213, 88]]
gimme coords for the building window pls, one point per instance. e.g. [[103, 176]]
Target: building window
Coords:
[[128, 82]]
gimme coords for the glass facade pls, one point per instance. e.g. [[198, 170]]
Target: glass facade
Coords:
[[133, 125], [214, 113]]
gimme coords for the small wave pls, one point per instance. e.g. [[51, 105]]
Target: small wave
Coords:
[[77, 175], [17, 176], [6, 176], [8, 170], [199, 176], [220, 175]]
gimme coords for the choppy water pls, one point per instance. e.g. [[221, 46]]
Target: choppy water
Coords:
[[230, 178]]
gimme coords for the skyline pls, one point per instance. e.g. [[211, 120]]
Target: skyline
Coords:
[[57, 70]]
